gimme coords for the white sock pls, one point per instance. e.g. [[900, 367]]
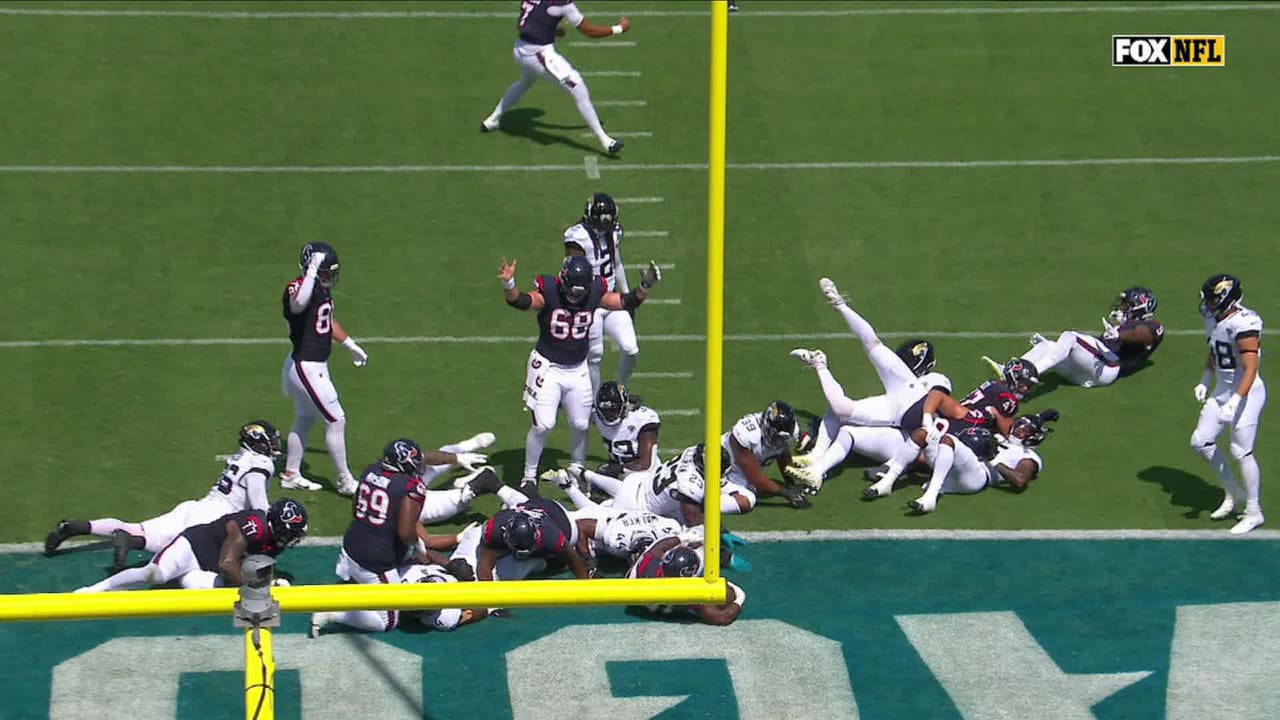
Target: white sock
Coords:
[[609, 485], [511, 497], [860, 327], [579, 498], [626, 366], [899, 462], [578, 439], [835, 453], [1047, 355], [582, 98], [534, 442], [593, 370], [297, 443], [1252, 477], [123, 580], [106, 526], [839, 403], [335, 439], [442, 505], [512, 96], [368, 620], [942, 463], [1218, 462]]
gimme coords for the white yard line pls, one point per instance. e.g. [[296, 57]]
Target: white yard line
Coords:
[[591, 164], [687, 412], [643, 167], [639, 200], [1069, 9], [621, 103], [662, 375], [898, 534], [515, 339], [610, 73], [663, 301], [641, 266], [602, 44], [629, 134], [647, 233]]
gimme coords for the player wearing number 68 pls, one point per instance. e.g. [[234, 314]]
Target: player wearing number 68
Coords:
[[557, 371], [1234, 335]]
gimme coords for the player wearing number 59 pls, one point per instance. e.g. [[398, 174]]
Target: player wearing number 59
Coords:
[[557, 372], [308, 309], [1234, 334]]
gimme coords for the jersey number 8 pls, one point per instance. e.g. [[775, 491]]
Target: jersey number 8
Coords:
[[372, 505], [565, 325], [324, 318], [1225, 354]]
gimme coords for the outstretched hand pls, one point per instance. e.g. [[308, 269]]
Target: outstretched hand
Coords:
[[507, 273]]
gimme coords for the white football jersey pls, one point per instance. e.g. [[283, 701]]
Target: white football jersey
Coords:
[[244, 480], [660, 492], [931, 380], [445, 619], [1009, 455], [602, 253], [1222, 336], [749, 435], [623, 439], [627, 533]]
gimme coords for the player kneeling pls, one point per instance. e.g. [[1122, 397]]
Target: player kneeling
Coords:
[[209, 555], [671, 557]]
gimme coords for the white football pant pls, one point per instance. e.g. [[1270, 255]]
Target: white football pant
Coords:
[[547, 386], [1082, 359]]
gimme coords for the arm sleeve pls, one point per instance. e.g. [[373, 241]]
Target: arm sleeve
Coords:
[[620, 272], [256, 482], [300, 293]]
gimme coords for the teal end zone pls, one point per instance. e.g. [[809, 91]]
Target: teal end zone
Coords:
[[1096, 608]]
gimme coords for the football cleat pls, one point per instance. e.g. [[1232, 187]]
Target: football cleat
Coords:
[[559, 477], [347, 485], [831, 292], [484, 481], [1248, 521], [803, 459], [923, 504], [56, 537], [1037, 338], [479, 441], [318, 621], [615, 146], [119, 549], [874, 474], [529, 486], [297, 482], [490, 124], [1224, 510], [996, 368], [807, 476], [811, 358]]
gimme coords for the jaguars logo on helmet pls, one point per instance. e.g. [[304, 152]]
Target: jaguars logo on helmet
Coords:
[[1219, 295], [612, 402], [918, 355], [327, 273], [575, 278], [680, 561], [601, 213], [778, 423], [288, 520], [403, 455], [261, 437]]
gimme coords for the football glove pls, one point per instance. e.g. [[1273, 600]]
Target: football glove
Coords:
[[461, 569], [1109, 331], [932, 433], [1201, 392], [317, 259], [795, 496], [650, 276], [358, 356], [1227, 410], [469, 461]]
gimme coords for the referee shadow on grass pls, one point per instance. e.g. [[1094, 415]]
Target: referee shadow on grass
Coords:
[[1184, 489], [524, 123]]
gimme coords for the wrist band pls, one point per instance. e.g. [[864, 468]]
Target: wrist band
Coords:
[[509, 284], [617, 30]]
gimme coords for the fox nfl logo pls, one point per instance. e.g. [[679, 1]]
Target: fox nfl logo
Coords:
[[1168, 50]]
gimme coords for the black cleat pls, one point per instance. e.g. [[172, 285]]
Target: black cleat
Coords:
[[874, 474], [56, 537], [119, 549], [486, 482], [529, 488], [616, 146]]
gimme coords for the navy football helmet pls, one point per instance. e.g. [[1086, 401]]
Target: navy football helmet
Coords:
[[403, 455], [575, 278], [980, 440], [288, 521], [1219, 295], [1031, 430], [327, 274], [521, 533], [261, 437], [1136, 303], [680, 561], [612, 402], [1020, 376], [601, 213], [918, 355]]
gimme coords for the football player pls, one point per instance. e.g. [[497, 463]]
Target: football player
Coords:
[[598, 238], [673, 557], [958, 460], [831, 441], [756, 440], [536, 56], [444, 619], [1234, 335], [1130, 335], [209, 555], [539, 528], [1017, 463], [382, 539], [308, 310], [557, 370], [241, 486], [629, 429]]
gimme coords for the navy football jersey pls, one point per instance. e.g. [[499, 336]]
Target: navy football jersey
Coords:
[[372, 539], [310, 331], [206, 540], [1133, 355], [539, 19], [563, 327], [553, 527], [988, 401]]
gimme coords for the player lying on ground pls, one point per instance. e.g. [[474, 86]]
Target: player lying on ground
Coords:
[[755, 441], [1234, 334], [241, 486], [829, 441], [539, 528], [672, 557], [1130, 334], [209, 555]]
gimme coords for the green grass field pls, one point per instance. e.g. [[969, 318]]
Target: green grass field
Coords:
[[159, 174]]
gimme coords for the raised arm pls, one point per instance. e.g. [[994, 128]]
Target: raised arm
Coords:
[[515, 298]]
